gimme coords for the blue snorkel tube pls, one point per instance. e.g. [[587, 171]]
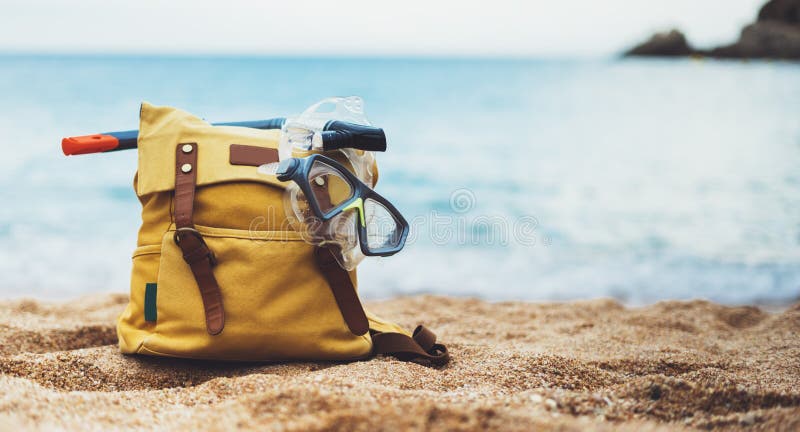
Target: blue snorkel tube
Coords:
[[335, 135]]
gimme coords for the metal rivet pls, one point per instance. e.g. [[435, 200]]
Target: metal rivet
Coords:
[[186, 168], [187, 148]]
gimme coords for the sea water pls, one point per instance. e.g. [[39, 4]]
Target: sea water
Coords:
[[522, 179]]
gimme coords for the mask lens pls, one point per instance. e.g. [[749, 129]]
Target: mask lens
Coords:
[[383, 229], [329, 187], [342, 230]]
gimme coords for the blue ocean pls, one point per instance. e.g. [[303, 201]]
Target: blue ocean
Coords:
[[550, 179]]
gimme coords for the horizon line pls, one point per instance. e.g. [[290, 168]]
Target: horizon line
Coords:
[[315, 56]]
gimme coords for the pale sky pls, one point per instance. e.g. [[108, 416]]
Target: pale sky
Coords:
[[362, 28]]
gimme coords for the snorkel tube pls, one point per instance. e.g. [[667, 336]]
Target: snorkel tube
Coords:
[[338, 135], [335, 123], [126, 140], [335, 135]]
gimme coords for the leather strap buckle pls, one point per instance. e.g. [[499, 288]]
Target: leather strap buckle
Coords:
[[202, 250]]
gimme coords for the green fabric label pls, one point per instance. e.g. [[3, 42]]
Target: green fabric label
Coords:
[[150, 311]]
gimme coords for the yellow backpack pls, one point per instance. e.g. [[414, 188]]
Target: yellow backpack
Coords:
[[217, 271]]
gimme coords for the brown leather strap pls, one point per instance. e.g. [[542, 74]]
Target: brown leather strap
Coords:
[[185, 180], [343, 291], [422, 346], [252, 155], [194, 248]]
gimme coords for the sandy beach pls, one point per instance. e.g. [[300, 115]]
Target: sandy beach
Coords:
[[590, 365]]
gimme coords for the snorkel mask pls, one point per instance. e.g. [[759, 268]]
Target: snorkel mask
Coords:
[[337, 126], [331, 207]]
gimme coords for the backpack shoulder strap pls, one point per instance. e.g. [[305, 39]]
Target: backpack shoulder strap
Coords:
[[343, 291], [421, 345], [387, 338]]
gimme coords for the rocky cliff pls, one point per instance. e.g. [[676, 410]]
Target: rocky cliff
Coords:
[[775, 34]]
